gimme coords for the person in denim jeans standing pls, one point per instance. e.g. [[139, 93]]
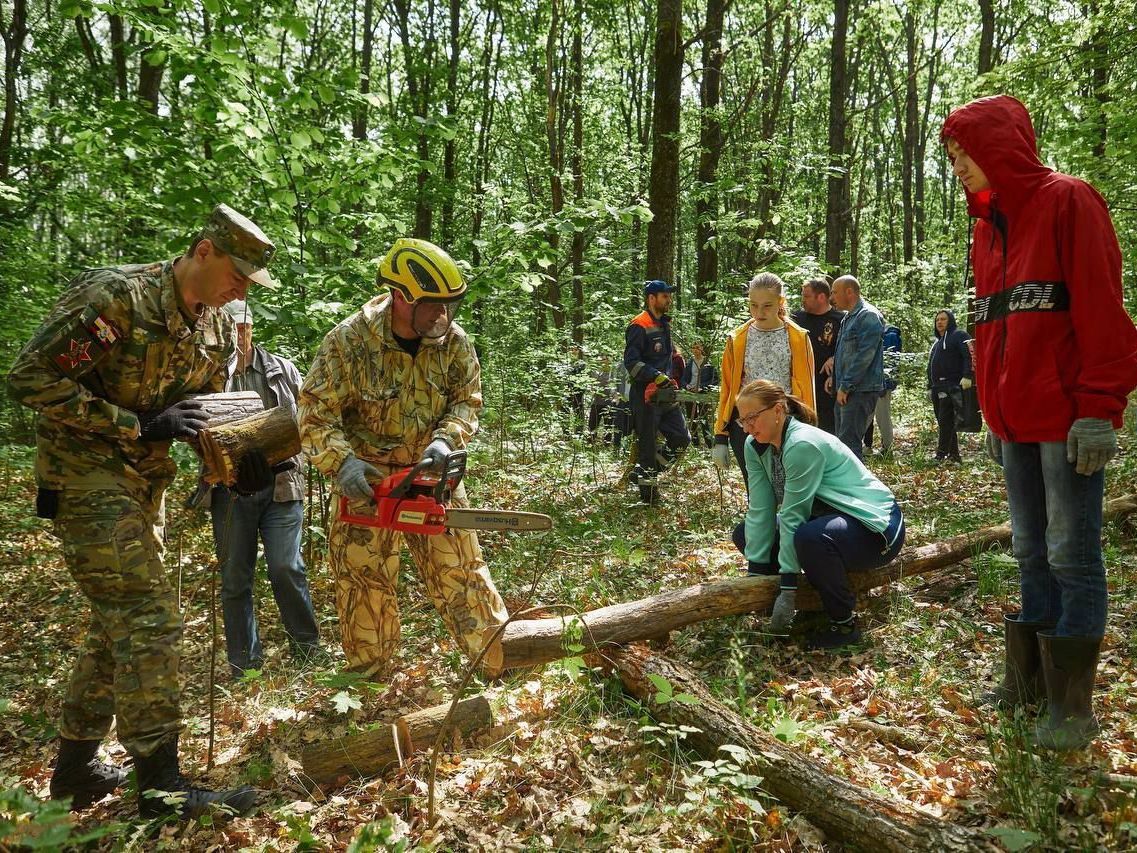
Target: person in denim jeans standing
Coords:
[[1055, 358], [858, 364], [275, 513]]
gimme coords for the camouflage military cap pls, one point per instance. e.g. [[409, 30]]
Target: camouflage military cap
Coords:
[[240, 238]]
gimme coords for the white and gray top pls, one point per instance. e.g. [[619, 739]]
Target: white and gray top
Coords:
[[767, 356]]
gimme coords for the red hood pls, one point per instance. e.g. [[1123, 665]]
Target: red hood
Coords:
[[997, 134]]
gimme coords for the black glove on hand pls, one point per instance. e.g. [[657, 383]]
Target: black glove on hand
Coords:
[[181, 420], [253, 473], [438, 451]]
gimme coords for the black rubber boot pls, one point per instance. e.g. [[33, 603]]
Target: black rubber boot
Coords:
[[81, 776], [1069, 666], [1022, 674], [159, 771]]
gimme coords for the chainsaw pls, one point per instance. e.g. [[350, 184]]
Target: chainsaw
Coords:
[[416, 501]]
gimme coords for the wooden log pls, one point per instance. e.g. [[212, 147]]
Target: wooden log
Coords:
[[372, 752], [274, 433], [527, 642], [857, 818], [229, 406]]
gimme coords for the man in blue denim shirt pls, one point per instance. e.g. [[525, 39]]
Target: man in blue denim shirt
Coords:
[[858, 364]]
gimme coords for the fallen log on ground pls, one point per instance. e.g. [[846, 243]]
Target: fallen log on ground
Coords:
[[527, 642], [856, 817], [374, 751], [274, 433]]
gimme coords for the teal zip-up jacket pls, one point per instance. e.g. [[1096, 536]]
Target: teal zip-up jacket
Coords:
[[818, 466]]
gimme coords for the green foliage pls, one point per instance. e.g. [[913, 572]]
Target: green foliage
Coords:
[[28, 823]]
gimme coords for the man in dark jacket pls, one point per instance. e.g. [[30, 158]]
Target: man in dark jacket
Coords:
[[818, 317], [1055, 358], [647, 356], [949, 375]]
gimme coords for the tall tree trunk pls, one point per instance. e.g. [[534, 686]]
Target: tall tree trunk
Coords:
[[419, 87], [448, 154], [1098, 53], [359, 119], [556, 161], [664, 182], [118, 54], [150, 79], [710, 151], [15, 33], [490, 53], [986, 35], [837, 188], [908, 138], [578, 172]]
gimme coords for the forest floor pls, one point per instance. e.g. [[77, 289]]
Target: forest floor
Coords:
[[572, 762]]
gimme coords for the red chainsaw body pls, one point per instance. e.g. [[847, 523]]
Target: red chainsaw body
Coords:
[[409, 508]]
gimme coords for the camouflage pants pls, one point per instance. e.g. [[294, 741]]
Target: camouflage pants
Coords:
[[365, 562], [128, 666]]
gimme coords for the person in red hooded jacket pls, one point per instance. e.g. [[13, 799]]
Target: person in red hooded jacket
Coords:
[[1055, 358]]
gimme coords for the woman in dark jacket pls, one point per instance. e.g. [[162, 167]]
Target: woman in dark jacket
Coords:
[[949, 374]]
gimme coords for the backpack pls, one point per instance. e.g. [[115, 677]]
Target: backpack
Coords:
[[890, 338]]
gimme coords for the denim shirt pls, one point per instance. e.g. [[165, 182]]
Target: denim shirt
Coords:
[[858, 364]]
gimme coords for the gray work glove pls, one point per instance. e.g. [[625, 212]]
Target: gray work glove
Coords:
[[994, 447], [720, 454], [1091, 443], [353, 476], [784, 609], [438, 451]]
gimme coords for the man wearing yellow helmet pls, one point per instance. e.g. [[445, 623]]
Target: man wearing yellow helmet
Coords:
[[396, 383]]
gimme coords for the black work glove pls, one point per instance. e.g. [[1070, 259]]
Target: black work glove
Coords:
[[181, 420], [438, 451], [253, 473]]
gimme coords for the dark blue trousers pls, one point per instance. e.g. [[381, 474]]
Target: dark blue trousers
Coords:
[[649, 420], [828, 548]]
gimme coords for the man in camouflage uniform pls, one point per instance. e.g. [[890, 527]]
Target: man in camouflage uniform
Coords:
[[109, 372], [391, 385]]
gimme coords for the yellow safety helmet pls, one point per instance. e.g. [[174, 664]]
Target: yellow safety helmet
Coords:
[[421, 271]]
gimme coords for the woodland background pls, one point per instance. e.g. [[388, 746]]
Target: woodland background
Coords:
[[565, 151]]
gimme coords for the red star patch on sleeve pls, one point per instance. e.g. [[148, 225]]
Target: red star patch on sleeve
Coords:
[[79, 353]]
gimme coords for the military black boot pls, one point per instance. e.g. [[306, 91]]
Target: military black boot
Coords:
[[159, 771], [1069, 666], [81, 776], [1022, 674]]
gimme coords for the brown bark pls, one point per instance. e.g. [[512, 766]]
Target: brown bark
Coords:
[[15, 33], [844, 811], [274, 433], [359, 119], [229, 405], [836, 204], [664, 182], [710, 152], [374, 751], [118, 54], [526, 642], [986, 35]]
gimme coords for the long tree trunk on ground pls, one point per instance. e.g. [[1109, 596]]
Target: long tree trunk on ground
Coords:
[[837, 186], [710, 151], [14, 32], [845, 812], [664, 182], [531, 641], [578, 172]]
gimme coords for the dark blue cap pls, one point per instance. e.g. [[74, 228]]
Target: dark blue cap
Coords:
[[658, 286]]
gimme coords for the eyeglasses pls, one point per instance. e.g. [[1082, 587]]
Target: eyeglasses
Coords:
[[749, 419]]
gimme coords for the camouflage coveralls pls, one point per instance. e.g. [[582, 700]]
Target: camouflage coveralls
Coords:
[[118, 342], [364, 395]]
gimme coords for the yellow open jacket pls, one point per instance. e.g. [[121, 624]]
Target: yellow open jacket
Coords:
[[801, 370]]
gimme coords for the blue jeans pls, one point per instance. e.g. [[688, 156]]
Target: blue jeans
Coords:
[[853, 419], [1056, 534], [237, 520]]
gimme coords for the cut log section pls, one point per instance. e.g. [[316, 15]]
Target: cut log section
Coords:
[[229, 406], [372, 752], [274, 433], [527, 642], [854, 816]]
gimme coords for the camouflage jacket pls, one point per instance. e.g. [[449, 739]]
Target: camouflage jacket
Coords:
[[116, 343], [364, 395]]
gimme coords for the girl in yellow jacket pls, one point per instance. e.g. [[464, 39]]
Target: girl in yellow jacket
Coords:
[[767, 346]]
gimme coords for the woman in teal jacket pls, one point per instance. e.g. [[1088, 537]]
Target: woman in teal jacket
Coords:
[[814, 508]]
